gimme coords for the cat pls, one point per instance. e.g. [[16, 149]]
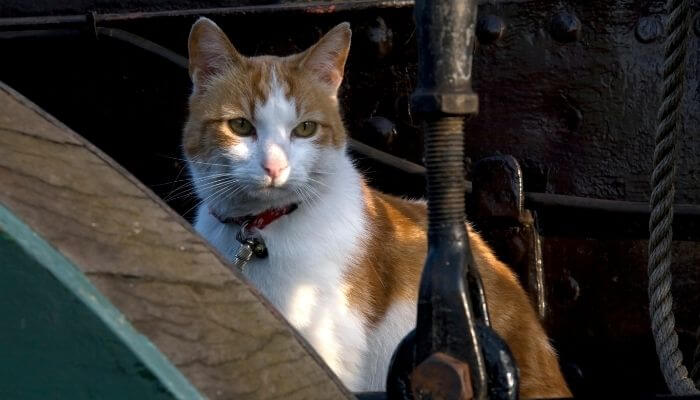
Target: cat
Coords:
[[266, 146]]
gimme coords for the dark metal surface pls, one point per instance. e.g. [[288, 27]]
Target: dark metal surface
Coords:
[[503, 374], [496, 207], [577, 117]]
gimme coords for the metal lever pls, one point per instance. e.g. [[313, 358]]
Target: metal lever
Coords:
[[443, 357]]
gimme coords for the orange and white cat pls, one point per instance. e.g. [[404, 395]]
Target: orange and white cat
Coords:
[[343, 266]]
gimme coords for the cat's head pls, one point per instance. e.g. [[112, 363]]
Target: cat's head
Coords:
[[263, 131]]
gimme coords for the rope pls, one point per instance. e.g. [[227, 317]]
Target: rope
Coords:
[[695, 374], [661, 203]]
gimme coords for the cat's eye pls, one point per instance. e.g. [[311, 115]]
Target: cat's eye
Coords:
[[305, 129], [241, 127]]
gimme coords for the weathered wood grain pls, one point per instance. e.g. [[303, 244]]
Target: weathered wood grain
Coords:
[[150, 264]]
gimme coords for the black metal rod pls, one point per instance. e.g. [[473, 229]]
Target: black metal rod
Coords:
[[39, 34], [388, 159], [536, 200], [444, 158], [313, 7], [443, 97], [144, 44]]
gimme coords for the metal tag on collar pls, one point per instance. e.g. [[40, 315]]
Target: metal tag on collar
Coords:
[[259, 248], [250, 245], [245, 251]]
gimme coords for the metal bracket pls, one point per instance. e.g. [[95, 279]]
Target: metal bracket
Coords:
[[497, 208]]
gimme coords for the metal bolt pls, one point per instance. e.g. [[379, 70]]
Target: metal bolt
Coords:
[[648, 29], [442, 377], [568, 289], [565, 27], [490, 29], [379, 37], [574, 375], [575, 289], [379, 131]]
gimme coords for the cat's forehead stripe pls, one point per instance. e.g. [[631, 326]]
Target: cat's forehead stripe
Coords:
[[277, 110]]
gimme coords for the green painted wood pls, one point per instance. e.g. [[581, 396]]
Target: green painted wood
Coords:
[[62, 339]]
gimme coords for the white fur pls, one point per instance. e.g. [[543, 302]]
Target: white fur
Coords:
[[309, 252], [311, 249], [398, 321]]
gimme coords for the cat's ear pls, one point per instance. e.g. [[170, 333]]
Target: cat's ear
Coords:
[[326, 59], [210, 51]]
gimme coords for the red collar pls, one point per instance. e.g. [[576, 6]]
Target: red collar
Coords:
[[259, 221]]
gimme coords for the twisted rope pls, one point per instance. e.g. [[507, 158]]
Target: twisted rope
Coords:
[[661, 203], [695, 374]]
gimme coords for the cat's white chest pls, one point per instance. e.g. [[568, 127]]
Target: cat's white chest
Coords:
[[310, 251]]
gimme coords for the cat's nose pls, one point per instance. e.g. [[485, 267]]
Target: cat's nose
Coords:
[[275, 169]]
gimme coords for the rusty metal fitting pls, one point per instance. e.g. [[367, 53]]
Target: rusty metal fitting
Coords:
[[565, 27], [490, 28], [445, 42], [441, 377], [447, 103], [648, 29]]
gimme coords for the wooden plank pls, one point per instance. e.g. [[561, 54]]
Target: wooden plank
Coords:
[[172, 286]]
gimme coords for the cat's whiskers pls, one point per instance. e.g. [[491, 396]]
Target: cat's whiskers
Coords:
[[219, 181], [187, 183], [190, 188], [303, 197], [314, 192], [194, 160], [212, 197], [310, 199], [190, 180], [215, 184], [309, 194], [322, 172], [322, 183]]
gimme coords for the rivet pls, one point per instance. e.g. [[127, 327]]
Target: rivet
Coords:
[[489, 29], [380, 131], [441, 376], [575, 289], [565, 27], [648, 29], [379, 37]]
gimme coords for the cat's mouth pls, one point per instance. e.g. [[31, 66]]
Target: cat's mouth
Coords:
[[270, 192]]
